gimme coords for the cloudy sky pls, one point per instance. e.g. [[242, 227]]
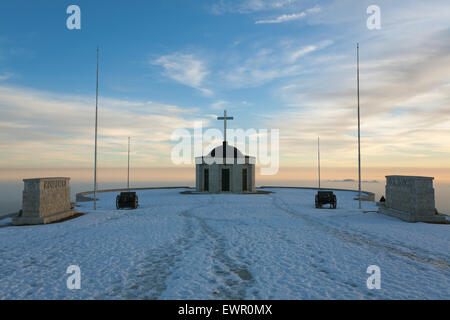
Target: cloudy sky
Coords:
[[281, 64]]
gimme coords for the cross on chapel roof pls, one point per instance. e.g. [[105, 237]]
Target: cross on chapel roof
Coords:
[[225, 118]]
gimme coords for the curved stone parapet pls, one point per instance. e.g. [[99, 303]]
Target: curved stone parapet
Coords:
[[83, 196], [365, 195]]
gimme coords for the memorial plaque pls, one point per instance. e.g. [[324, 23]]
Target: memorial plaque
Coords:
[[410, 198], [45, 200]]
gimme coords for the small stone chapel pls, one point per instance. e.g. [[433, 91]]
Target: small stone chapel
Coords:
[[225, 168]]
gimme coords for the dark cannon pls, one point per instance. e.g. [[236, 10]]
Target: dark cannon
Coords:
[[326, 197], [127, 200]]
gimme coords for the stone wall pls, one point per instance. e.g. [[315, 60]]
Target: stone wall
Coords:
[[45, 200], [410, 198], [414, 195]]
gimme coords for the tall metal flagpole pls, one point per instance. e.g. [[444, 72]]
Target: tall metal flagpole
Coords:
[[318, 157], [95, 157], [128, 179], [359, 131]]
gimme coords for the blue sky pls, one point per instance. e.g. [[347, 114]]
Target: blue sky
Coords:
[[282, 64], [46, 55]]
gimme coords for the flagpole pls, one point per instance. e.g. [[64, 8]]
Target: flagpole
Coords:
[[128, 179], [318, 157], [95, 156], [359, 130]]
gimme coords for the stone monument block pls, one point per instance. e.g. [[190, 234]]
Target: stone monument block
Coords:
[[411, 198], [45, 200]]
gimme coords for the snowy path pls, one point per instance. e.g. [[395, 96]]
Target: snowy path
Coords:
[[275, 246]]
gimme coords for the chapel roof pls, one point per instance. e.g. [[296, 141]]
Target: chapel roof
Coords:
[[226, 151]]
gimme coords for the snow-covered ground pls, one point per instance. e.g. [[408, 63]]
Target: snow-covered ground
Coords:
[[225, 246]]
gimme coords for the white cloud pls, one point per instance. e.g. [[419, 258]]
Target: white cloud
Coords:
[[206, 92], [405, 101], [6, 76], [283, 18], [219, 105], [185, 69], [265, 65], [249, 6], [290, 17], [303, 51], [41, 129]]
